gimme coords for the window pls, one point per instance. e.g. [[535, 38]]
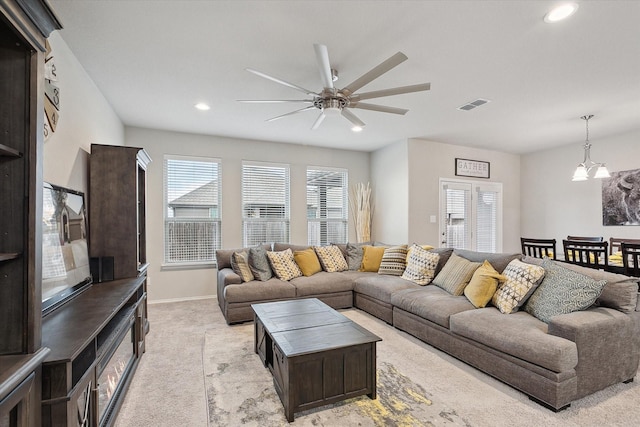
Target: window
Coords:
[[471, 215], [192, 209], [265, 203], [327, 202]]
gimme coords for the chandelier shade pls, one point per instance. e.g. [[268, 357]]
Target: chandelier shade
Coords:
[[582, 171]]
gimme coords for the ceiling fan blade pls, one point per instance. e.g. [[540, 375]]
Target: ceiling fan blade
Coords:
[[376, 72], [282, 82], [352, 117], [381, 108], [311, 107], [322, 56], [393, 91], [319, 120], [274, 101]]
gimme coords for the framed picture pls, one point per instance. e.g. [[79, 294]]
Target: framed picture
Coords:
[[472, 168], [621, 199]]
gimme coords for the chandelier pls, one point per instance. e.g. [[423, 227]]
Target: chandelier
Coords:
[[583, 169]]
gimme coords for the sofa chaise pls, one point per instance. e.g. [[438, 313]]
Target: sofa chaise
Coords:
[[554, 362]]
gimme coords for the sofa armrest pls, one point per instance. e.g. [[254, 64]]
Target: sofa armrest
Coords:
[[607, 342], [226, 276]]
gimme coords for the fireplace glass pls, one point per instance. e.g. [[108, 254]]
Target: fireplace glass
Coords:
[[115, 373]]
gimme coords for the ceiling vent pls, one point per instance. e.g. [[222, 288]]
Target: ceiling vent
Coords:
[[473, 104]]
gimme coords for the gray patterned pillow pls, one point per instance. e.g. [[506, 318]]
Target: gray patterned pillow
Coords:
[[259, 264], [456, 274], [562, 291], [354, 255]]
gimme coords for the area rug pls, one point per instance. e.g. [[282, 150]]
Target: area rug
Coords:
[[417, 386]]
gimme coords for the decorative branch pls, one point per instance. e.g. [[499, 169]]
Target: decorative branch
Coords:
[[362, 211]]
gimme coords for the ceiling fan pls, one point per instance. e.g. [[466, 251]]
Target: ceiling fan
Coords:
[[333, 101]]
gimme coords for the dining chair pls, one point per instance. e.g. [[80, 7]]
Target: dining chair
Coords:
[[631, 258], [614, 244], [586, 253], [538, 248], [586, 238]]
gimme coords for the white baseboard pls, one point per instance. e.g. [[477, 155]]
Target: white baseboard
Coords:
[[163, 301]]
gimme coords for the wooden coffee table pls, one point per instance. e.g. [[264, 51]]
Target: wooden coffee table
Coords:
[[316, 355]]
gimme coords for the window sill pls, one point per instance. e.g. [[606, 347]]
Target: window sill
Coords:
[[188, 265]]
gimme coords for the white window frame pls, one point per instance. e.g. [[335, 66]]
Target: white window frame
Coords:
[[284, 222], [474, 188], [215, 221], [326, 220]]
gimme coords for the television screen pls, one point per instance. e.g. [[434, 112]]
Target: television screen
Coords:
[[65, 257]]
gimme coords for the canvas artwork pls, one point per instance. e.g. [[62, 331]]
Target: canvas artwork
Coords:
[[621, 198]]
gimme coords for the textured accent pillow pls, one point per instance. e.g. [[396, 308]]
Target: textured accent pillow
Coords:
[[522, 280], [308, 261], [421, 265], [371, 258], [240, 265], [394, 261], [483, 285], [284, 265], [562, 291], [331, 258], [259, 264], [455, 274], [425, 247], [354, 255]]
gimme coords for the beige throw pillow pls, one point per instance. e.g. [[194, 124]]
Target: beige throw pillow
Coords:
[[421, 265], [522, 281], [284, 265], [331, 258], [394, 261], [455, 274], [240, 265]]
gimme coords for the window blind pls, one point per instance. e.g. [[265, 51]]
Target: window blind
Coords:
[[456, 215], [192, 231], [265, 203], [327, 205]]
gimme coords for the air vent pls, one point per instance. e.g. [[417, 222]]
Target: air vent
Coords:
[[473, 104]]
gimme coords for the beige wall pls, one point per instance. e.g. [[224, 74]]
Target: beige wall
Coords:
[[554, 206], [167, 284], [390, 189], [406, 184], [85, 118]]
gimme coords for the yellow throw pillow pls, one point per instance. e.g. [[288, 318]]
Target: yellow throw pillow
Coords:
[[483, 285], [308, 261], [371, 258]]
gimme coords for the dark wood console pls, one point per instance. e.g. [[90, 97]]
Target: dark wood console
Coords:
[[96, 341]]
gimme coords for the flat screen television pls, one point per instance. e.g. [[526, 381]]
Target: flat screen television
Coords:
[[65, 256]]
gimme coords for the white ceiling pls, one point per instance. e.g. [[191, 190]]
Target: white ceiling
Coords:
[[153, 60]]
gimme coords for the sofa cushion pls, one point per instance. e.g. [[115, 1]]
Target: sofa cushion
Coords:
[[308, 262], [259, 264], [562, 291], [394, 260], [283, 264], [520, 334], [371, 258], [381, 286], [483, 285], [272, 289], [499, 261], [431, 303], [421, 265], [331, 258], [240, 265], [455, 274], [522, 280], [279, 247], [619, 293], [322, 283]]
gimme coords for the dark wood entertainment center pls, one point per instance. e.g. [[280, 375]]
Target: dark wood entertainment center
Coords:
[[71, 367]]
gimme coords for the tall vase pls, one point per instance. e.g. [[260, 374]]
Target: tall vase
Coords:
[[362, 211]]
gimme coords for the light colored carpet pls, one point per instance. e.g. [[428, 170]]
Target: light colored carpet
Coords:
[[198, 371]]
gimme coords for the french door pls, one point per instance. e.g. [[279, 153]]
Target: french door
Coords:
[[471, 215]]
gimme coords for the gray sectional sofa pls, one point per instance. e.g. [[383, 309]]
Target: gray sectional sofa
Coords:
[[555, 363]]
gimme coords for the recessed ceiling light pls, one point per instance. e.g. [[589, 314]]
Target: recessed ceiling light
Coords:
[[561, 12], [357, 129], [202, 106]]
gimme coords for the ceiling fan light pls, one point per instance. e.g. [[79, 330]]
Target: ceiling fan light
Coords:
[[602, 172], [332, 111], [581, 173], [356, 129], [561, 12], [202, 106]]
